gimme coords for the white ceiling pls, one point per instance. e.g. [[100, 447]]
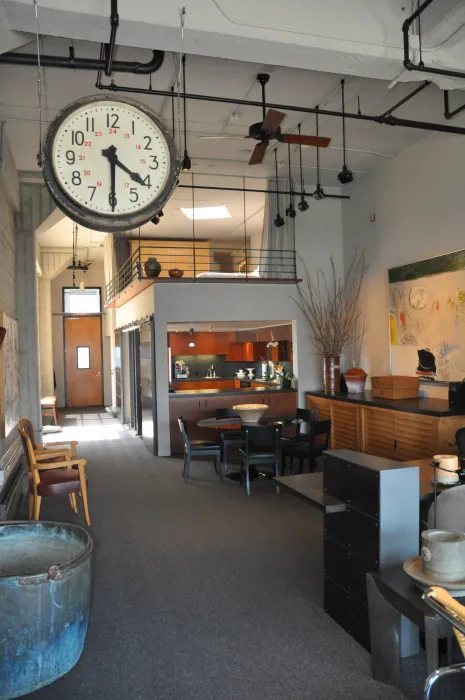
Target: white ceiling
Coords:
[[224, 162]]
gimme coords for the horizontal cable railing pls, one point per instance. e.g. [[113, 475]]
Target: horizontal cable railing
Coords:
[[196, 262]]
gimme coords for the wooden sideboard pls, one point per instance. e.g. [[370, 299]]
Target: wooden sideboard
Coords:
[[400, 430]]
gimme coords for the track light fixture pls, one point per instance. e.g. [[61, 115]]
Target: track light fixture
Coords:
[[318, 194], [346, 175], [290, 211], [303, 205], [279, 221], [186, 161]]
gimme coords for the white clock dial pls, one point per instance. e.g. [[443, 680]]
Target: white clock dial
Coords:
[[111, 158]]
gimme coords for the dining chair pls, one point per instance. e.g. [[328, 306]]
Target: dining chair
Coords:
[[68, 446], [53, 478], [198, 448], [228, 437], [310, 449], [302, 416], [261, 450], [451, 610]]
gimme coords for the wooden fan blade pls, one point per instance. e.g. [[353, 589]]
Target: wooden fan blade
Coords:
[[318, 141], [258, 154], [273, 120]]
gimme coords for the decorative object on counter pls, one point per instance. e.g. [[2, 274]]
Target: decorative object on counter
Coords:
[[152, 267], [446, 467], [176, 272], [181, 370], [413, 567], [333, 309], [287, 380], [251, 371], [395, 387], [264, 367], [241, 374], [355, 380], [457, 395], [250, 412]]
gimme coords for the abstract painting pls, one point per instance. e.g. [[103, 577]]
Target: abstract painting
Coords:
[[9, 377], [427, 318]]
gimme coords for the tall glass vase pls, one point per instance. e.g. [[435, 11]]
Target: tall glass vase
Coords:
[[332, 374]]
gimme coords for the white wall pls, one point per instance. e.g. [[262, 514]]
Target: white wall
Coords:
[[93, 278], [418, 199], [318, 235]]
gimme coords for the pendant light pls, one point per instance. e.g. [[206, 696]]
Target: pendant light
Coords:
[[186, 161], [279, 221], [191, 338], [346, 175], [318, 194], [290, 211], [303, 205]]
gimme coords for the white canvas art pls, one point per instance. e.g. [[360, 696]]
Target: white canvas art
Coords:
[[9, 376]]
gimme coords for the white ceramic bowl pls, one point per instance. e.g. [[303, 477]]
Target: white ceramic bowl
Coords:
[[250, 412]]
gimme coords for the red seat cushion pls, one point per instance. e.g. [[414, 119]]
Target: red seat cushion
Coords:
[[58, 481]]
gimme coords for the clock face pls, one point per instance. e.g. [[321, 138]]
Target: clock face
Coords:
[[110, 163]]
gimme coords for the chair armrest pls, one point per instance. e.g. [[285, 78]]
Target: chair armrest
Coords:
[[72, 443], [48, 454], [56, 465]]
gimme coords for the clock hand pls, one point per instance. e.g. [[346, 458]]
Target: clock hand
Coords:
[[110, 153]]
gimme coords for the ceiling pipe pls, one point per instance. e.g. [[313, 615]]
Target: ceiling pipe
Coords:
[[94, 64], [389, 120], [420, 66], [110, 48], [407, 98], [291, 193]]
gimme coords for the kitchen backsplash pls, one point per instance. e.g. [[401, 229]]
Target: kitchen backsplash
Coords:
[[199, 364]]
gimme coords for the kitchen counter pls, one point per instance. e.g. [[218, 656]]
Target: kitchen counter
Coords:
[[266, 389], [423, 405]]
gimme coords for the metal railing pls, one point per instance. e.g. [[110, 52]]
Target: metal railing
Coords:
[[196, 262]]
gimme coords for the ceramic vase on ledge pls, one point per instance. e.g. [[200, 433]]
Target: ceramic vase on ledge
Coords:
[[332, 374], [355, 380], [152, 267]]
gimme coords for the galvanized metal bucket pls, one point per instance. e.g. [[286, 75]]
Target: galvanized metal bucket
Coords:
[[45, 592]]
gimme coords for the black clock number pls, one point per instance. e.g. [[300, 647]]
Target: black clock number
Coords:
[[114, 121], [147, 181], [77, 138], [147, 146], [155, 163], [70, 157], [89, 187], [76, 177], [134, 195], [90, 124], [133, 129], [112, 200]]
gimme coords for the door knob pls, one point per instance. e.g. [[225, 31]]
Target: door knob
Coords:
[[98, 374]]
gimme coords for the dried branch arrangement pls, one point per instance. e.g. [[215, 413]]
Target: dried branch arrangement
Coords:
[[333, 307]]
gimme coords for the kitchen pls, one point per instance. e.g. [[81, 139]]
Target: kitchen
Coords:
[[221, 364]]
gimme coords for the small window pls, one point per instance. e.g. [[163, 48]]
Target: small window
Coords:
[[86, 301], [83, 357]]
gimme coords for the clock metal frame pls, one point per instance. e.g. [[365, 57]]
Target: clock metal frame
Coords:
[[81, 214]]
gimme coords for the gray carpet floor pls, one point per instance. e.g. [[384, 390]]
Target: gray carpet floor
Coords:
[[201, 592]]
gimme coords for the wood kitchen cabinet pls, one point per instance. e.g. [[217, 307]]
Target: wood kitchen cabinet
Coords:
[[393, 433], [246, 352], [205, 344]]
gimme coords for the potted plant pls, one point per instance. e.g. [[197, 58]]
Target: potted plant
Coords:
[[333, 309], [287, 380]]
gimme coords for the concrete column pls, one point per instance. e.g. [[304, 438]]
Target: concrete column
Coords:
[[45, 337]]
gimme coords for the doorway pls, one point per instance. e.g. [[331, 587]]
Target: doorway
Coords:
[[82, 340]]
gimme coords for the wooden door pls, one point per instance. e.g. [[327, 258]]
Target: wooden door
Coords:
[[345, 427], [83, 361], [416, 436], [380, 432]]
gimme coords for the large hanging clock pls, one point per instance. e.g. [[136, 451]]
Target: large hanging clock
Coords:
[[110, 163]]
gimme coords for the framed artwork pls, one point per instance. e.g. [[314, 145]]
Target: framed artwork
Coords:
[[9, 376], [427, 318]]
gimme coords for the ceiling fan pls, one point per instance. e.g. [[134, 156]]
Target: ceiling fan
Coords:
[[270, 129]]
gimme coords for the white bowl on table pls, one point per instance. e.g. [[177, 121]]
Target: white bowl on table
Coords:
[[250, 412]]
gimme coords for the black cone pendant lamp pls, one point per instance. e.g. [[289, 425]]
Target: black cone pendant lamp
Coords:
[[346, 175], [318, 194], [279, 221], [290, 211], [186, 161], [303, 205]]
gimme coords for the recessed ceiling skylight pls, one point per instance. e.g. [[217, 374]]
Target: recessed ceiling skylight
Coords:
[[198, 213]]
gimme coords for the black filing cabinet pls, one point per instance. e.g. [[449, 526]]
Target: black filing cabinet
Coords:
[[378, 529]]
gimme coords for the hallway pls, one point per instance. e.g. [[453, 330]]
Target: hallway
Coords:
[[200, 592]]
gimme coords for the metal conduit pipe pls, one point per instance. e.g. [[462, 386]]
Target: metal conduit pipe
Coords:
[[408, 64], [447, 113], [389, 120], [291, 193], [110, 48], [95, 64]]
